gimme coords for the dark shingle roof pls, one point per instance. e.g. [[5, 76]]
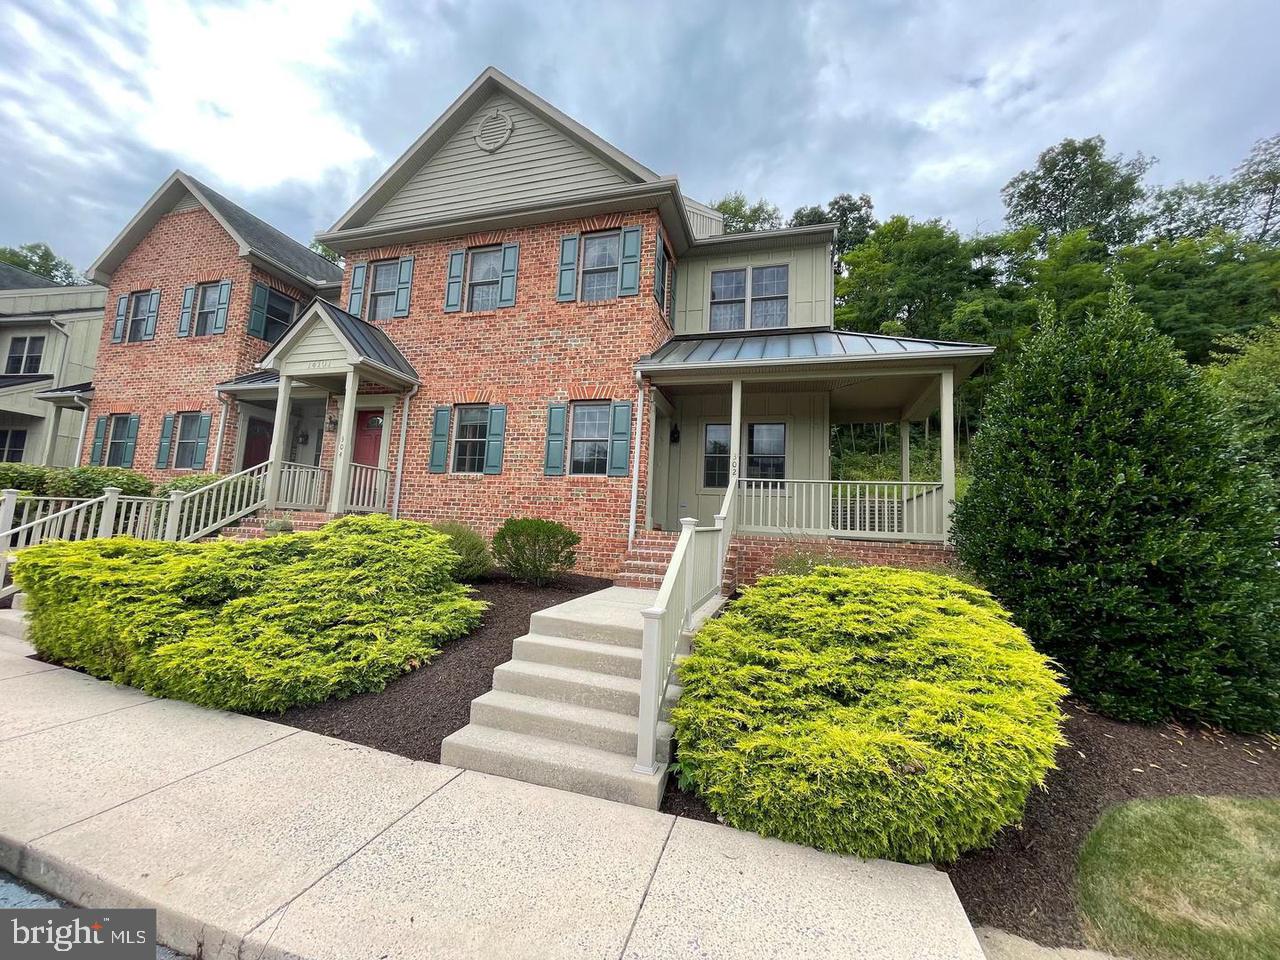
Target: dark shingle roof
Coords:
[[17, 278], [369, 341], [270, 242]]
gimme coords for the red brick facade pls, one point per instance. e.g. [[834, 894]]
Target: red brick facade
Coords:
[[751, 556]]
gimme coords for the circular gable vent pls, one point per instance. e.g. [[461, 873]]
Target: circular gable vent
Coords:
[[495, 130]]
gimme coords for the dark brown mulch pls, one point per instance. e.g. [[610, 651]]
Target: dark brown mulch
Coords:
[[413, 713], [1025, 882]]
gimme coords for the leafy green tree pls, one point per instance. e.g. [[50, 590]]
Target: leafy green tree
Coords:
[[325, 251], [1111, 511], [1194, 209], [1075, 185], [743, 217], [854, 218], [42, 261], [1258, 181], [806, 216], [1246, 376]]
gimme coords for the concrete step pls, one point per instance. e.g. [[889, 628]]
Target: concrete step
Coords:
[[607, 658], [564, 684], [13, 623], [19, 601], [553, 763], [566, 722], [609, 616]]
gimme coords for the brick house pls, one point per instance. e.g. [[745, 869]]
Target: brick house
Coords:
[[527, 322]]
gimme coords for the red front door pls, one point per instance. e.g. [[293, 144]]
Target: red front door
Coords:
[[368, 437], [257, 443]]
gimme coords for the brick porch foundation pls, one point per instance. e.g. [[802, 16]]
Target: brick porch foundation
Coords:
[[751, 556]]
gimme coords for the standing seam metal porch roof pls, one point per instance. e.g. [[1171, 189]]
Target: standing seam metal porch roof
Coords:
[[798, 345]]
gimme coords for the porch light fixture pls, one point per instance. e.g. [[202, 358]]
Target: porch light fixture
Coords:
[[675, 433], [302, 438]]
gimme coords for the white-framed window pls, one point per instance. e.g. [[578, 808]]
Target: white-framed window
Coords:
[[589, 438], [757, 293], [186, 434], [25, 354], [484, 276], [385, 275], [13, 443], [280, 313], [139, 303], [118, 439], [766, 451], [470, 435], [715, 455], [206, 308], [601, 259]]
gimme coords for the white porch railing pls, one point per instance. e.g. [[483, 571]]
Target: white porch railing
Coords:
[[303, 487], [367, 488], [199, 513], [871, 509]]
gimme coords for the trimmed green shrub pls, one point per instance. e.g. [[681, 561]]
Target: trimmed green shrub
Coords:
[[255, 626], [1114, 512], [535, 551], [91, 481], [186, 483], [25, 476], [867, 710], [475, 562], [1246, 376]]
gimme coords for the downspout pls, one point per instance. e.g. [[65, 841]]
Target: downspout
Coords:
[[635, 462], [84, 427], [222, 431], [404, 435]]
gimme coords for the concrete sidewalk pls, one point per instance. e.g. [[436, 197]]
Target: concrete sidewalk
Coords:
[[256, 840]]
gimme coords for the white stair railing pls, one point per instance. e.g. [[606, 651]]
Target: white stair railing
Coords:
[[202, 511], [367, 489]]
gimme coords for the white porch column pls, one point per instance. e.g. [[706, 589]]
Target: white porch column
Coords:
[[948, 438], [346, 442], [51, 437], [735, 433], [279, 437], [904, 440]]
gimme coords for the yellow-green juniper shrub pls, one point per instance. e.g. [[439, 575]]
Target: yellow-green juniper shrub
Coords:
[[867, 710], [252, 626]]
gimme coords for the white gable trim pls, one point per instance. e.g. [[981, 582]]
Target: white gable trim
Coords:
[[304, 323]]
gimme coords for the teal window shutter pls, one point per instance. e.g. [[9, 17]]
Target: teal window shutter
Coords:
[[404, 285], [557, 420], [671, 304], [355, 296], [440, 439], [153, 311], [453, 281], [166, 438], [184, 320], [660, 274], [258, 312], [507, 282], [494, 440], [99, 438], [629, 266], [224, 301], [619, 438], [131, 438], [122, 313], [202, 442], [567, 275]]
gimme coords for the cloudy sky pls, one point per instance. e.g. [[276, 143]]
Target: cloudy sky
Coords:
[[294, 108]]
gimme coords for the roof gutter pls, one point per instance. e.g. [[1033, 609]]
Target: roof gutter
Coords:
[[728, 367], [275, 266]]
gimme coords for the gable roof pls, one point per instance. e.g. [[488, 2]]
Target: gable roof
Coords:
[[366, 342], [258, 240], [490, 82], [19, 278]]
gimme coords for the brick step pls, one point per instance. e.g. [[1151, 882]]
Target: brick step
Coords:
[[639, 581], [634, 565]]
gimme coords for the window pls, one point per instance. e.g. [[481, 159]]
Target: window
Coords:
[[767, 451], [382, 293], [483, 278], [470, 433], [601, 254], [187, 435], [589, 439], [118, 441], [12, 445], [24, 355], [138, 304], [206, 307], [715, 455], [766, 306], [280, 311]]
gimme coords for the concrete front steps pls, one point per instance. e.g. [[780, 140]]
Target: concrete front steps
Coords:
[[562, 712], [647, 560]]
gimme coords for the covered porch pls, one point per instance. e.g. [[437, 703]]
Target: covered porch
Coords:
[[742, 424]]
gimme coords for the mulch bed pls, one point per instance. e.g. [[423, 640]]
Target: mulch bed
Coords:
[[1025, 883], [415, 712]]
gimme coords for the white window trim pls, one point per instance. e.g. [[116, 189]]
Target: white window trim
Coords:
[[469, 283], [569, 438], [176, 434], [455, 422], [113, 420], [137, 296], [370, 295], [26, 352], [583, 270], [788, 450], [746, 316]]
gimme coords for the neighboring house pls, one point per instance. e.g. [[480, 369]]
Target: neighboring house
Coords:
[[529, 322], [48, 339]]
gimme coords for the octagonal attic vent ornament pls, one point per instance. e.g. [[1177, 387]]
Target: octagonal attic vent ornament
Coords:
[[495, 131]]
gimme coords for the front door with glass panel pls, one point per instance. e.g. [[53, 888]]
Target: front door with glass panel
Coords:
[[368, 446]]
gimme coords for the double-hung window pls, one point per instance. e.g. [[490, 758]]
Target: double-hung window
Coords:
[[206, 307], [12, 445], [187, 434], [24, 355], [484, 275], [589, 439], [280, 310], [715, 455], [601, 256], [470, 434], [766, 451], [138, 305], [756, 293], [382, 289], [118, 440]]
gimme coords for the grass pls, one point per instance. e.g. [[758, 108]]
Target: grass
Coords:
[[1184, 878]]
